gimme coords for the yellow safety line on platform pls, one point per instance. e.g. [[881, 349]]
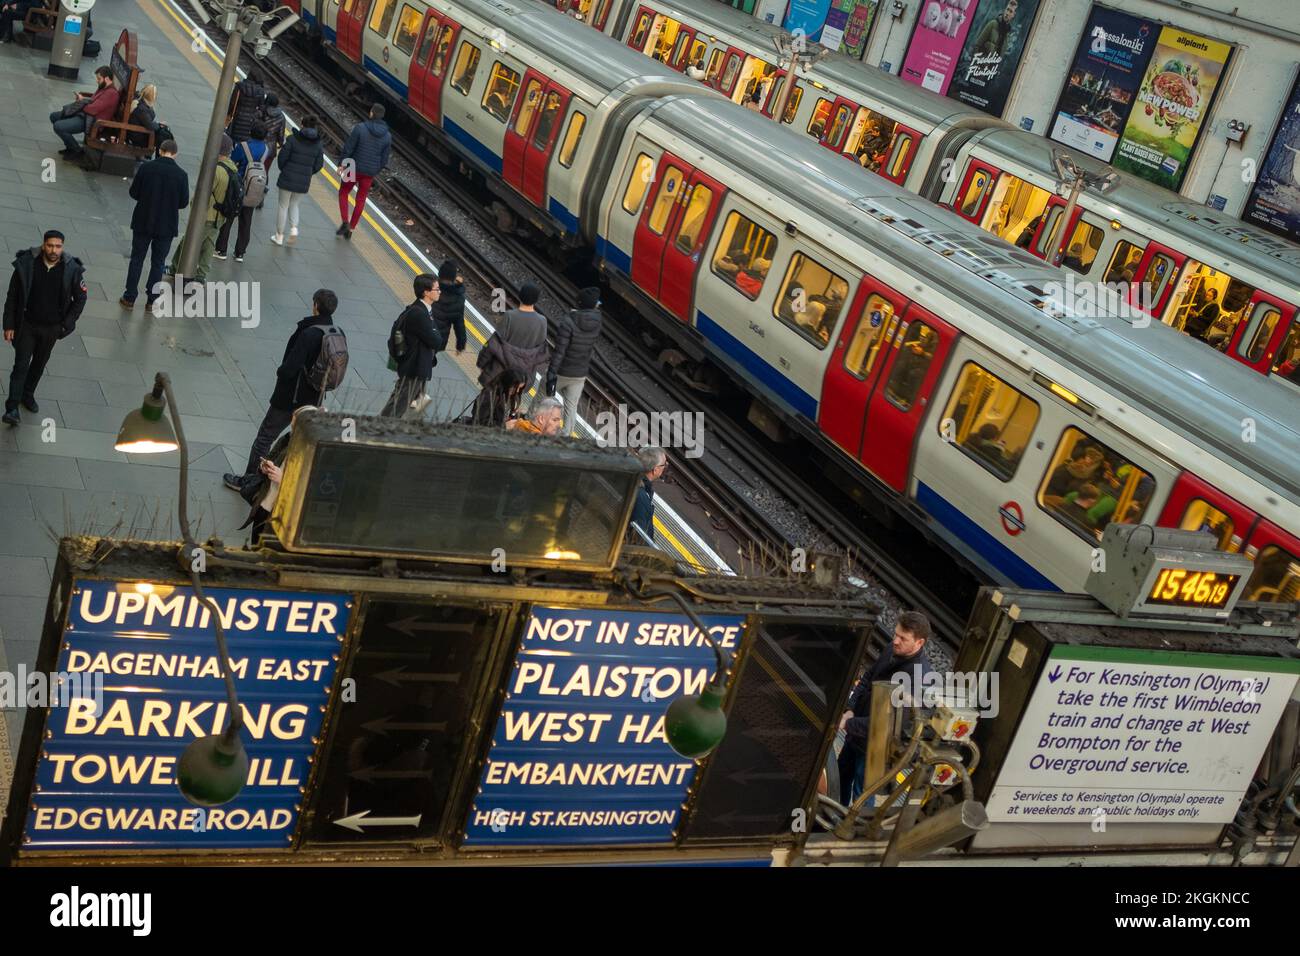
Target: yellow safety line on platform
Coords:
[[672, 539]]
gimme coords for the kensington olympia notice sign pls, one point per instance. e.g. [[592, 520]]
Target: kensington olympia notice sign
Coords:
[[1141, 736], [107, 772]]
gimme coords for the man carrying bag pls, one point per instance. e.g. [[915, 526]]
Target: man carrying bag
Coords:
[[411, 347]]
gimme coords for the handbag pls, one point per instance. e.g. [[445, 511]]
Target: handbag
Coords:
[[72, 109]]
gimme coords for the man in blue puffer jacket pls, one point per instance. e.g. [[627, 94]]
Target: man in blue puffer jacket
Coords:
[[367, 149]]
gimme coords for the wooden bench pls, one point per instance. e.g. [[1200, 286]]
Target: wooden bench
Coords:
[[39, 24], [108, 138]]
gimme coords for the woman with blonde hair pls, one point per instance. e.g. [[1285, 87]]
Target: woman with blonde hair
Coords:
[[143, 115]]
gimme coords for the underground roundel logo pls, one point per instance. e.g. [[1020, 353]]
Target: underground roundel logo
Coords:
[[1013, 519]]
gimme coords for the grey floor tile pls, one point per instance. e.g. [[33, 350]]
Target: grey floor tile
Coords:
[[22, 577], [19, 468]]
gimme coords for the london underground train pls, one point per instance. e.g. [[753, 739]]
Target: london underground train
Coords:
[[1003, 423], [998, 176]]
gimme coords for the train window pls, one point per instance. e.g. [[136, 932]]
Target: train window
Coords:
[[444, 47], [669, 189], [601, 15], [811, 299], [638, 34], [1208, 304], [989, 420], [1203, 516], [546, 122], [975, 190], [874, 325], [577, 122], [730, 73], [408, 28], [499, 97], [381, 17], [462, 77], [1088, 485], [1287, 361], [1016, 210], [913, 361], [1159, 273], [792, 107], [1049, 235], [1083, 245], [427, 44], [680, 49], [902, 156], [1276, 577], [694, 55], [744, 255], [532, 99], [697, 208], [1124, 262], [715, 64], [1263, 320], [642, 174], [838, 125], [821, 113]]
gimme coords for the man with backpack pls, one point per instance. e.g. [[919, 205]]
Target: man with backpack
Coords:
[[226, 200], [315, 363], [250, 162], [411, 347]]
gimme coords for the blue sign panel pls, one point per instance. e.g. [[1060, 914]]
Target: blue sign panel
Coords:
[[107, 772], [579, 755]]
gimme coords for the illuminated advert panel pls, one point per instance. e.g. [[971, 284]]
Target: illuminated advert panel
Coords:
[[579, 755], [106, 777]]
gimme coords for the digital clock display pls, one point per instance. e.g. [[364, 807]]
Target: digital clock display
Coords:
[[1187, 587]]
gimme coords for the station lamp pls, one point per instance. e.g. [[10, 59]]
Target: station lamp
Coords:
[[212, 770]]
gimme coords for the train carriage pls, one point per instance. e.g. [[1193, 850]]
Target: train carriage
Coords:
[[1016, 426], [507, 86]]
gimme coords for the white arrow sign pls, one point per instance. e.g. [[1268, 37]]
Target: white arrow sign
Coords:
[[358, 821]]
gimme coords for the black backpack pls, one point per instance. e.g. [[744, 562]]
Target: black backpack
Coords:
[[229, 207], [398, 347]]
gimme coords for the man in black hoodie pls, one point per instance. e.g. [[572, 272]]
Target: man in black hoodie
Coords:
[[46, 296], [575, 340], [423, 339], [293, 389], [449, 309]]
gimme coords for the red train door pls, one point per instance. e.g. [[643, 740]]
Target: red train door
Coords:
[[1194, 504], [730, 72], [774, 91], [415, 74], [542, 137], [671, 233], [855, 366], [439, 64], [902, 148], [636, 36], [1277, 564], [1158, 269], [518, 131], [1257, 339], [681, 56], [1048, 235], [901, 394], [972, 199], [348, 26], [839, 123]]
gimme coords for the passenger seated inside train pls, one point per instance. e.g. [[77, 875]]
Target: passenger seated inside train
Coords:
[[1094, 484]]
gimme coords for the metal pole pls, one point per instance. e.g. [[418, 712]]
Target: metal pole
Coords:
[[1065, 225], [197, 223], [787, 88]]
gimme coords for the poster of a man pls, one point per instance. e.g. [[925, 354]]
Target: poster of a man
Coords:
[[991, 54]]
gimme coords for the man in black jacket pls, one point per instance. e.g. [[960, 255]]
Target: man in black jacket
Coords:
[[161, 189], [423, 339], [906, 656], [575, 340], [245, 106], [46, 296], [449, 313], [292, 387]]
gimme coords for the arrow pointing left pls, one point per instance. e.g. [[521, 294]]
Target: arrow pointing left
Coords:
[[358, 821]]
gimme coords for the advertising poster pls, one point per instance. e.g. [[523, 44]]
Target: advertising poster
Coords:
[[941, 29], [107, 772], [847, 26], [579, 754], [1172, 105], [1137, 736], [991, 54], [808, 17], [1274, 201], [1103, 81]]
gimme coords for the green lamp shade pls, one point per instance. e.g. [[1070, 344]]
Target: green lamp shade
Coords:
[[145, 431], [695, 723], [211, 772]]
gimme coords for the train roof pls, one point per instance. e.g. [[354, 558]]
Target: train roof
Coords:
[[1167, 375], [1225, 235], [567, 44]]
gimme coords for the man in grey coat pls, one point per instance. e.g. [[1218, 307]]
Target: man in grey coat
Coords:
[[519, 343]]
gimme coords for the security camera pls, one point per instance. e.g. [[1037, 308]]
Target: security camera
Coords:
[[283, 25], [202, 14]]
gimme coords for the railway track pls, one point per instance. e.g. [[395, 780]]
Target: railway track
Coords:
[[736, 467]]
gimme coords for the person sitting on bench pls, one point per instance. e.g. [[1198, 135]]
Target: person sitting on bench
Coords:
[[102, 104]]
